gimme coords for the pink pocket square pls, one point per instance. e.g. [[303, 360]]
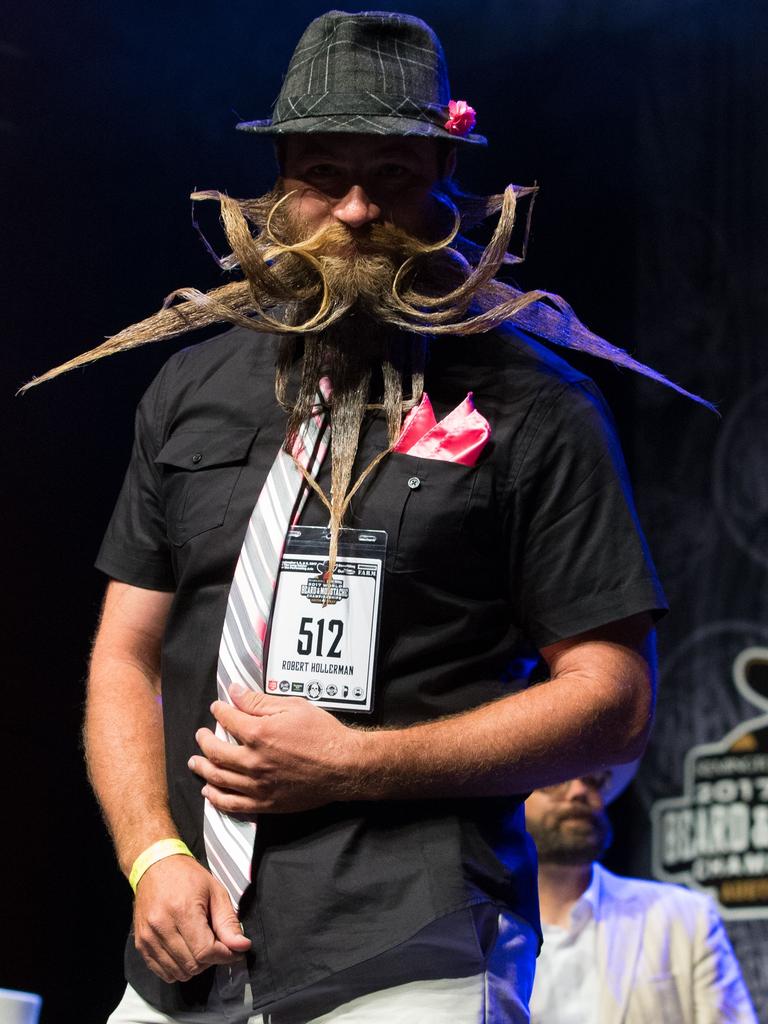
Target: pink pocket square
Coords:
[[459, 437]]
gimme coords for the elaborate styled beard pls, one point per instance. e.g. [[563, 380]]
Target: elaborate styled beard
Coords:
[[366, 361], [571, 836], [446, 287], [377, 277], [368, 367]]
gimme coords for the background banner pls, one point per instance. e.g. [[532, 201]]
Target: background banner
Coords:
[[702, 250]]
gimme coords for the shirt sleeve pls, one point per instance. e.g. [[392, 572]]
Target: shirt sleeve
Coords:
[[719, 991], [135, 548], [579, 559]]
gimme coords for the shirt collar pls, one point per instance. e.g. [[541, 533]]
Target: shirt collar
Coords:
[[586, 905], [584, 909]]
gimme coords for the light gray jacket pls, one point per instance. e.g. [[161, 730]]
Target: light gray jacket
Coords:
[[663, 957]]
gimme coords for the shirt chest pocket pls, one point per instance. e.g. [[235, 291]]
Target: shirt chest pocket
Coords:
[[200, 471], [427, 503]]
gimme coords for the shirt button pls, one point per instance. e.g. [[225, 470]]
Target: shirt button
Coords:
[[414, 482], [197, 457]]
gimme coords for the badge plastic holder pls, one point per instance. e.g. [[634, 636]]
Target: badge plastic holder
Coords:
[[323, 640]]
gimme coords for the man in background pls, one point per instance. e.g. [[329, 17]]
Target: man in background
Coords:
[[620, 950]]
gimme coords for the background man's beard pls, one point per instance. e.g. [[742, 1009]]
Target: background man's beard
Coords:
[[571, 838]]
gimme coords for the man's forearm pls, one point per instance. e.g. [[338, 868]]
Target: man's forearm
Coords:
[[183, 918], [594, 711], [124, 753], [123, 732], [556, 730]]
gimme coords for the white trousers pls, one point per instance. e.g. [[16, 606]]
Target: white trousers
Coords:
[[497, 996]]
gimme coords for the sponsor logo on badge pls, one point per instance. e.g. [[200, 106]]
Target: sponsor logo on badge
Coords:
[[297, 687], [284, 686], [331, 689], [357, 692], [318, 591], [314, 691], [271, 684]]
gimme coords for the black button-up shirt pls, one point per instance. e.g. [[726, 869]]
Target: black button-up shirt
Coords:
[[537, 542]]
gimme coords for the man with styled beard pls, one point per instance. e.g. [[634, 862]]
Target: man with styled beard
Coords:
[[307, 848], [620, 950]]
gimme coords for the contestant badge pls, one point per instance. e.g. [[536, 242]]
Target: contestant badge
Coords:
[[323, 640]]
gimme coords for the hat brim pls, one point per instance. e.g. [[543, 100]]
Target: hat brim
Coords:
[[358, 124]]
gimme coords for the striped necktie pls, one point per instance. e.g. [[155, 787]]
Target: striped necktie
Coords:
[[229, 841]]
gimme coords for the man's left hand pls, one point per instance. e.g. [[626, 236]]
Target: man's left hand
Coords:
[[291, 755]]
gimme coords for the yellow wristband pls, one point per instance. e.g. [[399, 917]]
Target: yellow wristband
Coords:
[[157, 851]]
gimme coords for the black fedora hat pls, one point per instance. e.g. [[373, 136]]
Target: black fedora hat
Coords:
[[375, 73]]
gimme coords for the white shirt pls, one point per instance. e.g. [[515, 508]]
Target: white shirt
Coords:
[[565, 989]]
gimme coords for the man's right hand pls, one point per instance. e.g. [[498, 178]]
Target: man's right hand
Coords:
[[184, 921]]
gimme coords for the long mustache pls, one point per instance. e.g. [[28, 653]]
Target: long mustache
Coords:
[[447, 287], [296, 267]]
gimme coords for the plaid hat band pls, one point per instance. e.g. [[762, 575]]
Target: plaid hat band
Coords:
[[371, 73]]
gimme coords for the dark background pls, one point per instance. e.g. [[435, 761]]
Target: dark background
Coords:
[[645, 125]]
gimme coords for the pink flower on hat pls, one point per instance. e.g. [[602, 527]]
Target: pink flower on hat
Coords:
[[461, 117]]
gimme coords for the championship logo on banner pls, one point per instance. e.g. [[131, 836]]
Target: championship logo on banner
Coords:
[[715, 836]]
